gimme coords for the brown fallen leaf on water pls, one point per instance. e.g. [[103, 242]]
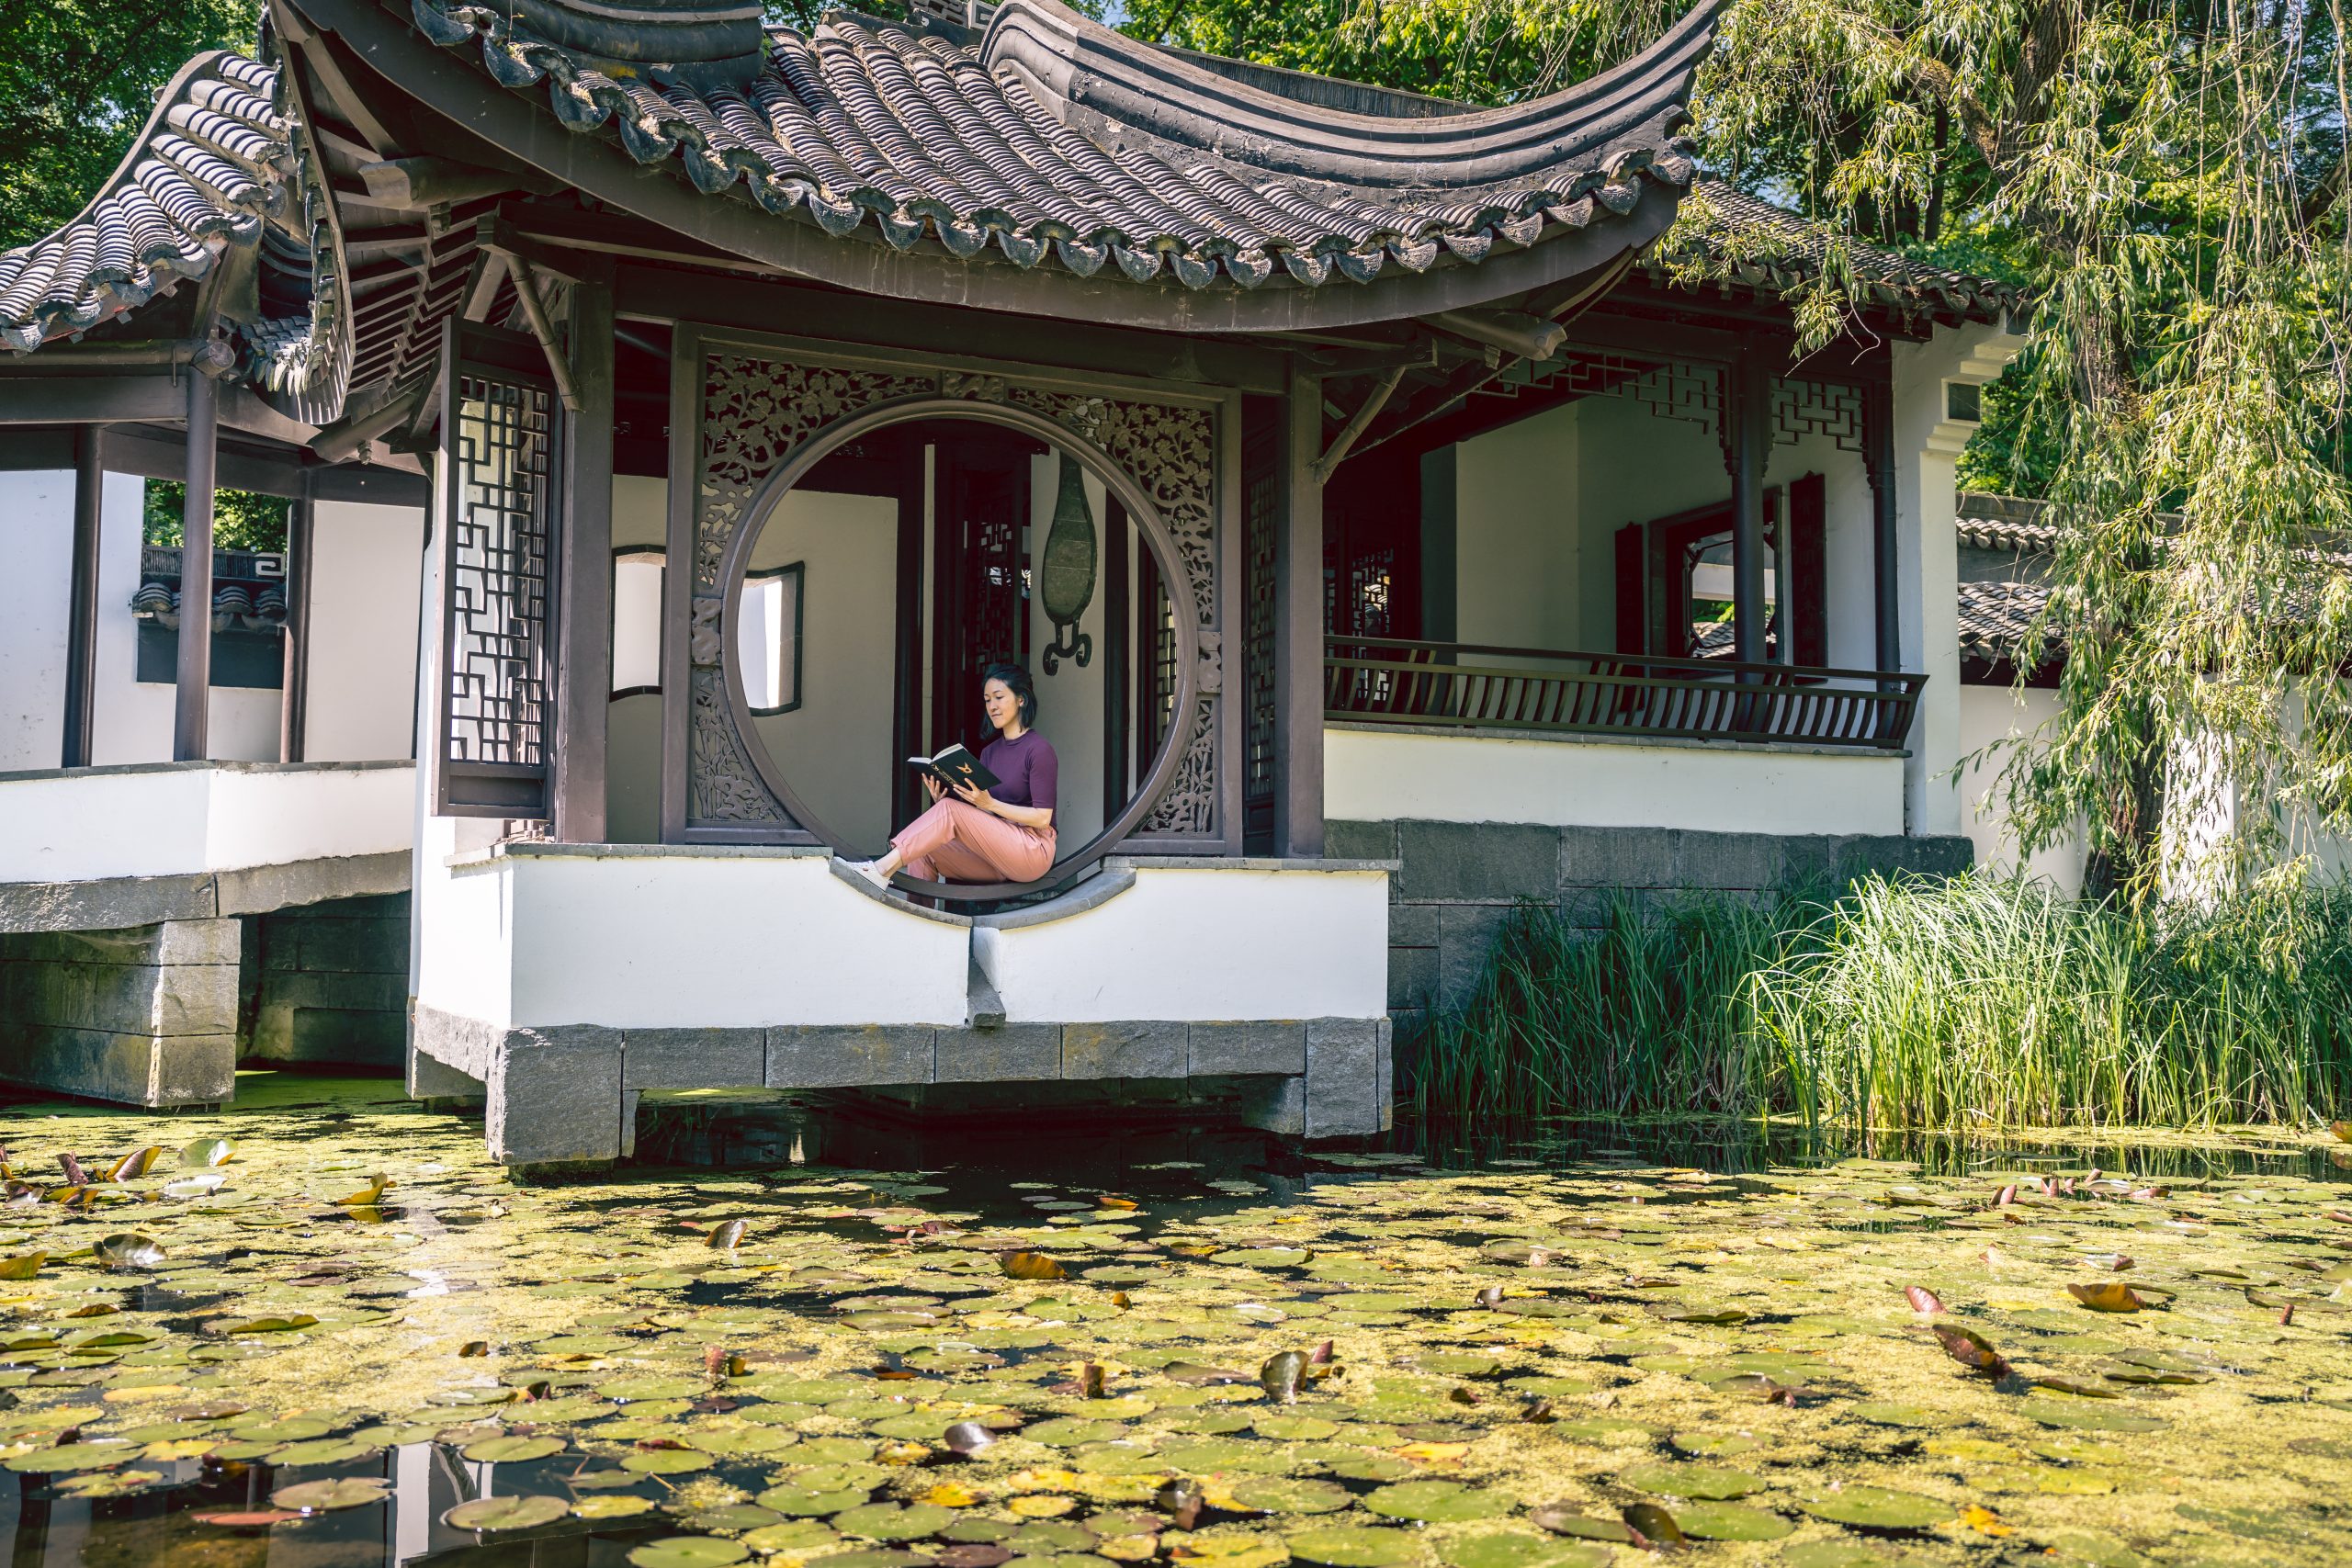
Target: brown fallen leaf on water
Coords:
[[1923, 1299], [1032, 1266], [1651, 1525], [1182, 1500], [2111, 1296], [1087, 1382], [1536, 1408], [2005, 1196], [1463, 1395], [2343, 1131], [965, 1439], [2286, 1315], [75, 1175], [1321, 1355], [1970, 1350], [1491, 1297], [1281, 1375], [718, 1361], [724, 1237], [474, 1348], [1109, 1202], [137, 1163]]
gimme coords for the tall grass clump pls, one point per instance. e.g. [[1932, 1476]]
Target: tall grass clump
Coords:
[[1916, 1002]]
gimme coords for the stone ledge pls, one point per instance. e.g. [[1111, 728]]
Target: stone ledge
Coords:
[[112, 903], [124, 770], [1642, 743]]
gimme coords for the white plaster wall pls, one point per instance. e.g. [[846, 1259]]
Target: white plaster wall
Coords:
[[462, 934], [1069, 701], [365, 572], [1990, 714], [1253, 943], [835, 749], [1849, 583], [174, 820], [1638, 466], [1370, 775], [36, 541], [1927, 449], [728, 939], [1519, 557], [131, 718]]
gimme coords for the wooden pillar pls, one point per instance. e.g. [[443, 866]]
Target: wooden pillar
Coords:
[[1298, 627], [82, 614], [905, 457], [585, 565], [191, 704], [293, 707], [1748, 439], [1877, 460]]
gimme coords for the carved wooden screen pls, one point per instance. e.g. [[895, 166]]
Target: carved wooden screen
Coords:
[[1261, 478], [500, 423]]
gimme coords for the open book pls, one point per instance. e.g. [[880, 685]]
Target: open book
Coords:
[[955, 766]]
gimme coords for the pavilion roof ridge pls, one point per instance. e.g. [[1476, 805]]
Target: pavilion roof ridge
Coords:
[[1053, 135]]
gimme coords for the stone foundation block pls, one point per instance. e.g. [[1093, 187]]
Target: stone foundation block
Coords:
[[1347, 1074], [1477, 861], [1011, 1052], [555, 1097], [1124, 1050], [1248, 1048], [842, 1055], [694, 1058]]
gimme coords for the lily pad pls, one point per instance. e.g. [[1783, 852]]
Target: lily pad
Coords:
[[1710, 1482], [492, 1515], [2086, 1416], [1729, 1521], [326, 1497], [611, 1506], [893, 1522], [1436, 1502], [511, 1450], [689, 1551], [1356, 1546], [1517, 1551], [1293, 1495], [1876, 1507]]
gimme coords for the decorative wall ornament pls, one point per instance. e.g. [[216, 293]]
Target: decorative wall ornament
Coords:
[[1212, 676], [971, 384], [1066, 581], [722, 785], [1818, 407], [1171, 450]]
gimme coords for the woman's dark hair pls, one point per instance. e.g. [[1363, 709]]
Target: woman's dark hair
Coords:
[[1024, 691]]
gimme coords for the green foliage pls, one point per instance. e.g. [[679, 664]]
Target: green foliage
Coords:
[[77, 81], [1958, 1003], [241, 521]]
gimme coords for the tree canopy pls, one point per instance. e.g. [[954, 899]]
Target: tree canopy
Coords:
[[2167, 177]]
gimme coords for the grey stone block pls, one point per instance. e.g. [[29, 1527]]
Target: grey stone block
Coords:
[[1729, 860], [1413, 976], [257, 890], [845, 1056], [383, 993], [106, 905], [1617, 857], [1413, 925], [468, 1046], [429, 1078], [1466, 937], [555, 1097], [1126, 1050], [357, 947], [1248, 1048], [694, 1058], [1275, 1105], [1345, 1076], [1008, 1052], [136, 1069], [346, 1037], [199, 941], [1494, 862], [1360, 840]]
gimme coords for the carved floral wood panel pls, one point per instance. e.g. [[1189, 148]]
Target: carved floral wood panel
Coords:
[[757, 410]]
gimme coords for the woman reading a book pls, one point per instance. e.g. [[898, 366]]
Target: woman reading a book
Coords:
[[1002, 833]]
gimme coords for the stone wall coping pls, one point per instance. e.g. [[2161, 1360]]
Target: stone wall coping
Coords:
[[1253, 863], [1637, 742], [118, 770], [537, 849]]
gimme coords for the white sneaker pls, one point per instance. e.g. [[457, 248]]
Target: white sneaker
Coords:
[[868, 869]]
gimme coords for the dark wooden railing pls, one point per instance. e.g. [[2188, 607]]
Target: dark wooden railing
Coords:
[[1478, 687]]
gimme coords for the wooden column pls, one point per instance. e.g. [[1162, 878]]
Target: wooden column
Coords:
[[1748, 438], [293, 707], [1877, 460], [1298, 627], [190, 708], [905, 455], [585, 565], [82, 614]]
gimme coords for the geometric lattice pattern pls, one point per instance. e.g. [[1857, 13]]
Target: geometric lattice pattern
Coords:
[[1818, 407], [1668, 389], [502, 542]]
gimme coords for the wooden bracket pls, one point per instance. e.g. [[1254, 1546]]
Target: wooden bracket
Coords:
[[1376, 400]]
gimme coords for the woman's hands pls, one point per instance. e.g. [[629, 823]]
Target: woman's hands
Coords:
[[932, 786], [973, 795]]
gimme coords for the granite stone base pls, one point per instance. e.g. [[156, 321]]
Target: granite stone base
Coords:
[[1460, 882], [145, 1014], [568, 1095]]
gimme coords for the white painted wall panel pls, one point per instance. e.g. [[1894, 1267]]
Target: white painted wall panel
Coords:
[[462, 935], [363, 632], [685, 940], [36, 541], [1990, 714], [1203, 945], [1519, 561], [1373, 775]]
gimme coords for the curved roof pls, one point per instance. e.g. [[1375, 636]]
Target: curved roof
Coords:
[[212, 170], [1053, 137]]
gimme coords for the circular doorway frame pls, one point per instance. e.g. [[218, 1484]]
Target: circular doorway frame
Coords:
[[1141, 512]]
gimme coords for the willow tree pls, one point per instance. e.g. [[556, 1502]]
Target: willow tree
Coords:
[[2168, 180]]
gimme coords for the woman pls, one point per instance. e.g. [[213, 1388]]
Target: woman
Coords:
[[1000, 835]]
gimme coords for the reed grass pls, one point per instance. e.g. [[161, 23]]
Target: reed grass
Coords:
[[1919, 1002]]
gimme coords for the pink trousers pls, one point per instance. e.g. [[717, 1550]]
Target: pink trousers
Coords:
[[956, 842]]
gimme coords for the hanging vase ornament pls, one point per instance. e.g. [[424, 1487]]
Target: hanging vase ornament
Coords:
[[1068, 576]]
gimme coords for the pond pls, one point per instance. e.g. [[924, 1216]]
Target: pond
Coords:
[[321, 1329]]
